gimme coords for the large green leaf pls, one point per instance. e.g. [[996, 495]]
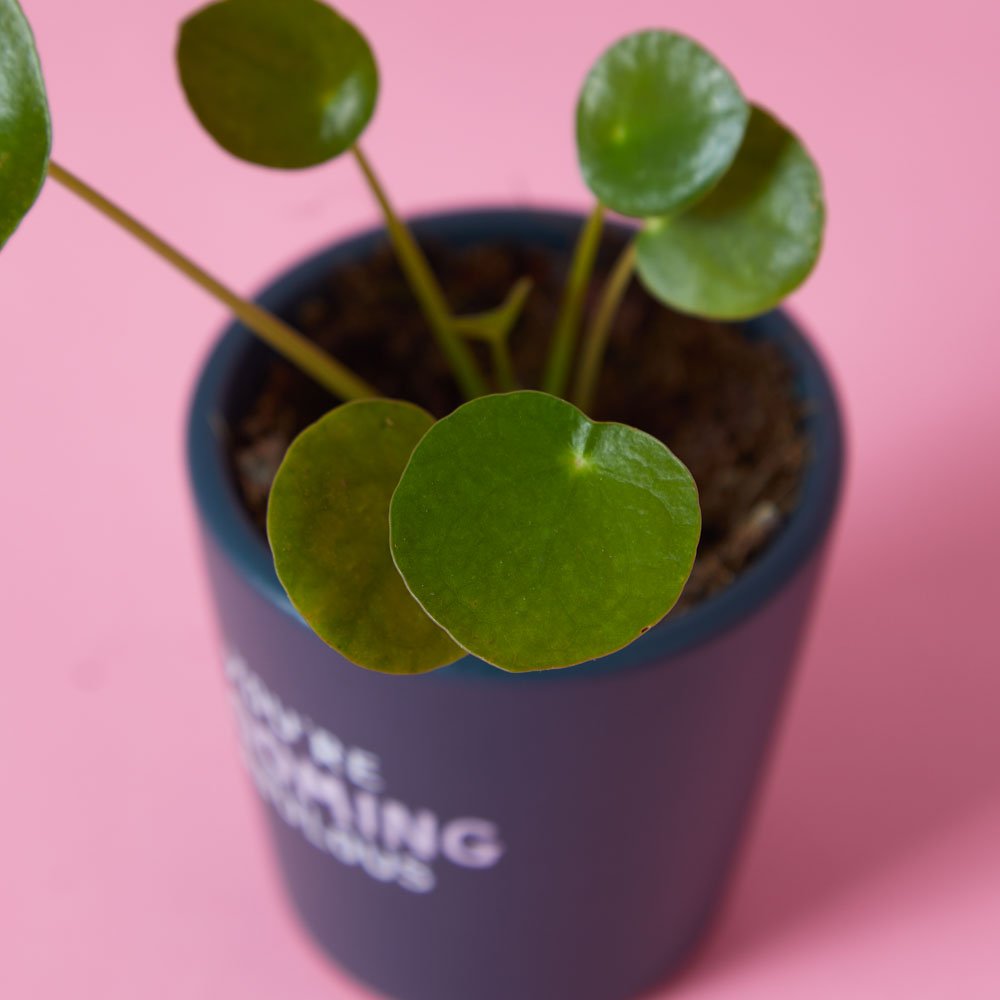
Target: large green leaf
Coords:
[[282, 83], [658, 122], [25, 129], [328, 523], [751, 241], [539, 538]]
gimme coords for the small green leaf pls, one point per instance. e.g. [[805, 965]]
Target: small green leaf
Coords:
[[750, 242], [281, 83], [539, 538], [328, 524], [658, 122], [25, 128]]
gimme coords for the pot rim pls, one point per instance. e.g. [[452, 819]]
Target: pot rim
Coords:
[[222, 513]]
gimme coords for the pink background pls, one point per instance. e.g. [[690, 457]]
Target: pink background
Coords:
[[132, 863]]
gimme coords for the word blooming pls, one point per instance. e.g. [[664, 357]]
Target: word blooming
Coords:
[[334, 795]]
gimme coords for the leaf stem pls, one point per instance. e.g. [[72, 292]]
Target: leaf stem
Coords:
[[503, 367], [596, 339], [426, 288], [568, 320], [312, 360], [494, 327]]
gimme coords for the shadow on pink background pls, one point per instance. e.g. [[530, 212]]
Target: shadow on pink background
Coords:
[[132, 864]]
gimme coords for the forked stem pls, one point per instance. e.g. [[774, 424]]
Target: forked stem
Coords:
[[596, 341], [494, 327], [288, 342], [426, 288]]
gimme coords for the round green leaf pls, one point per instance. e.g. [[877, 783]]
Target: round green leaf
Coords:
[[538, 538], [25, 129], [282, 83], [658, 122], [328, 524], [750, 242]]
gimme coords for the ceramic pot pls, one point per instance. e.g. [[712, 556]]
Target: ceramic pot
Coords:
[[470, 834]]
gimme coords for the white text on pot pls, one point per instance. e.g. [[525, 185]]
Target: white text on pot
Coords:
[[335, 795]]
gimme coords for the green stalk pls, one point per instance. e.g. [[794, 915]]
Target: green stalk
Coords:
[[494, 327], [503, 367], [304, 354], [426, 288], [596, 340], [568, 320]]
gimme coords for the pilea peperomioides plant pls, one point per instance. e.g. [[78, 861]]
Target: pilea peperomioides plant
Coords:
[[516, 528]]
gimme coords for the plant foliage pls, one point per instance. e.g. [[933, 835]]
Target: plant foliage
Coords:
[[517, 528]]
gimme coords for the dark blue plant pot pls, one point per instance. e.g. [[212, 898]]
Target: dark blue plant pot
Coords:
[[476, 835]]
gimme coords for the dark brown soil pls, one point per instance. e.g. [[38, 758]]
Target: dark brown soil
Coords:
[[721, 402]]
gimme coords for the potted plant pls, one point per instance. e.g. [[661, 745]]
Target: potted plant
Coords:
[[466, 509]]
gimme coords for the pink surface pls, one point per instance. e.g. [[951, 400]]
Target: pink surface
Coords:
[[132, 864]]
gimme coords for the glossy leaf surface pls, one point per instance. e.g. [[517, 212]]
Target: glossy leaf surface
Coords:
[[328, 524], [539, 538], [25, 129], [658, 122], [283, 84], [751, 241]]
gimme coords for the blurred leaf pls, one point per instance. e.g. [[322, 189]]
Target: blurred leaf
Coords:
[[328, 524], [25, 128], [539, 538], [658, 122], [751, 241], [281, 83]]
